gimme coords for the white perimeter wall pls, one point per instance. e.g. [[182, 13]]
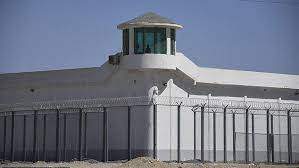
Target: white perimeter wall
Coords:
[[167, 131]]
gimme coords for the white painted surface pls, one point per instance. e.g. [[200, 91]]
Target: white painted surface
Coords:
[[168, 41], [210, 75], [148, 61], [247, 78], [167, 75]]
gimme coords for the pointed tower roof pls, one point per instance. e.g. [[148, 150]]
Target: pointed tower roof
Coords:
[[149, 19]]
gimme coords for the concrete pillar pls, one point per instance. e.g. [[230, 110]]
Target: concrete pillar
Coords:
[[168, 41]]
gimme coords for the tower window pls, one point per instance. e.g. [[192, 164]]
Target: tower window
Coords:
[[160, 43], [172, 41], [126, 42], [138, 49], [150, 40]]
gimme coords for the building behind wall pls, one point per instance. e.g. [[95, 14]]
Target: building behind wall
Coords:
[[148, 66]]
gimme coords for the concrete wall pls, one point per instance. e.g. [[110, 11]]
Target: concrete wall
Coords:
[[121, 81], [141, 134], [168, 127]]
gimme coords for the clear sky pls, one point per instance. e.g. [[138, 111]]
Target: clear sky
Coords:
[[256, 35]]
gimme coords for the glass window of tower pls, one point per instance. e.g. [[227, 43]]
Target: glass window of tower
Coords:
[[138, 35], [126, 42], [150, 40], [172, 41], [160, 41]]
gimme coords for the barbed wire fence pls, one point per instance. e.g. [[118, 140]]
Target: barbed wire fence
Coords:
[[60, 112], [247, 140]]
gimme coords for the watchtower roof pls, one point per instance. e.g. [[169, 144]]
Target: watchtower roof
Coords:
[[149, 19]]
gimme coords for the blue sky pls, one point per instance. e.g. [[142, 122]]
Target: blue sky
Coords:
[[235, 34]]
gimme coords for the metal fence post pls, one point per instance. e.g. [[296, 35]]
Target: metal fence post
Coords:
[[224, 135], [34, 135], [106, 147], [214, 135], [155, 131], [246, 136], [272, 137], [80, 134], [12, 150], [24, 138], [202, 134], [289, 137], [64, 137], [194, 135], [253, 137], [4, 137], [44, 137], [100, 134], [57, 135], [268, 136], [179, 134], [129, 134], [234, 137], [85, 135]]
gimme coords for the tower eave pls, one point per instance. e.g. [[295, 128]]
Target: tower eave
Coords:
[[145, 24]]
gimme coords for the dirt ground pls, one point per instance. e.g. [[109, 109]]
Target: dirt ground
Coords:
[[142, 162]]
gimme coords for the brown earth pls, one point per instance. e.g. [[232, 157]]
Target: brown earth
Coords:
[[142, 162]]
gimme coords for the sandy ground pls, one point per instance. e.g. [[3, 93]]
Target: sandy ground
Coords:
[[142, 162]]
